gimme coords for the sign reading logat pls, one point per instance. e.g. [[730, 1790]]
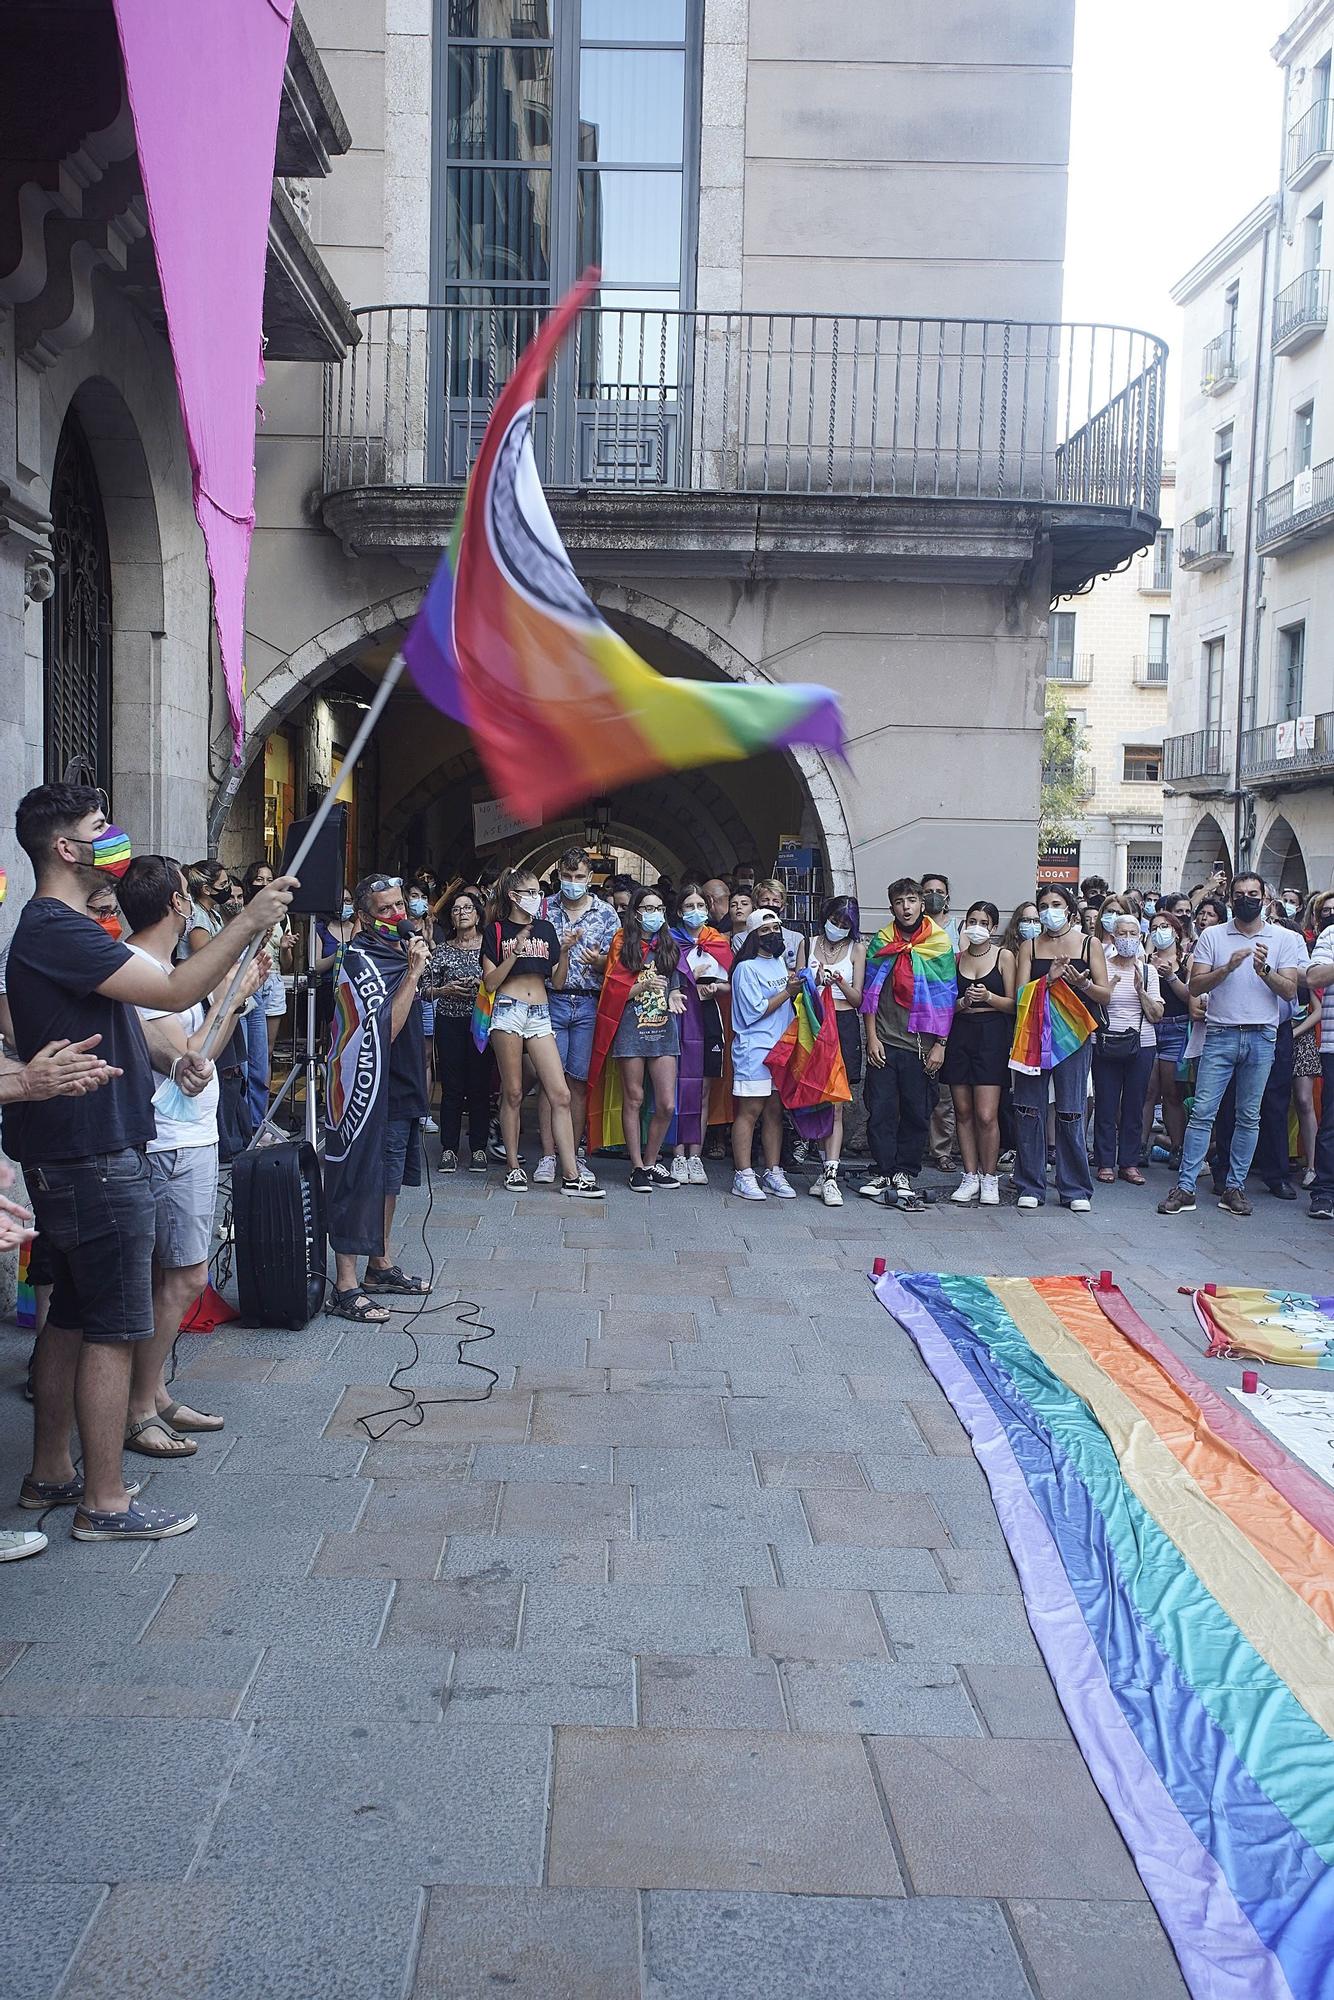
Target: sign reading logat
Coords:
[[1059, 864], [492, 823]]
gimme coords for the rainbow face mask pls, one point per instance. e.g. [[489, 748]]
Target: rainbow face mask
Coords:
[[111, 850]]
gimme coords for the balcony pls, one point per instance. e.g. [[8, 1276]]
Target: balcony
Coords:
[[736, 443], [1218, 369], [1148, 671], [1309, 144], [1198, 762], [1301, 311], [1075, 771], [1299, 511], [1289, 754], [1075, 670], [1205, 542]]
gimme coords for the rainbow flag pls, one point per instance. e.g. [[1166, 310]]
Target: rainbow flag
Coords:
[[1050, 1023], [806, 1062], [1295, 1328], [25, 1301], [1178, 1574], [508, 642], [483, 1007], [924, 975]]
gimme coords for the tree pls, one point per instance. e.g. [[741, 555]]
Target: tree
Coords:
[[1063, 790]]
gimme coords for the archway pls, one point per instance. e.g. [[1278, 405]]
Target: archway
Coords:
[[1281, 859], [1207, 850]]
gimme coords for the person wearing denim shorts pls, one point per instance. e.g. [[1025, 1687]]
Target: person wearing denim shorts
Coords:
[[588, 925]]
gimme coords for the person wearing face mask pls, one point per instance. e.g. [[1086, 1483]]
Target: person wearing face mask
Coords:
[[705, 968], [453, 977], [264, 1021], [638, 1040], [1061, 954], [936, 903], [908, 1001], [942, 1139], [1167, 955], [977, 1053], [1320, 980], [421, 922], [762, 989], [588, 925], [331, 939], [521, 957], [838, 961], [1248, 968], [1124, 1054]]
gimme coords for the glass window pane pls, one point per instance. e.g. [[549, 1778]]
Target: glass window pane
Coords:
[[630, 342], [497, 224], [630, 225], [499, 104], [631, 105], [633, 21], [480, 340], [501, 20]]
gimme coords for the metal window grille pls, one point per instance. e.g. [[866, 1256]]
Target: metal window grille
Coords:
[[77, 620]]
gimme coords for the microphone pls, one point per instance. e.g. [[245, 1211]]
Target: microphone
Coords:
[[405, 931]]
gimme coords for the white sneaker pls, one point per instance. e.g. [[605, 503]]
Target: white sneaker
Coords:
[[1080, 1205], [544, 1173], [15, 1543], [1028, 1201], [775, 1181], [968, 1189], [831, 1194], [429, 1125], [990, 1191], [681, 1170], [746, 1185], [696, 1173], [875, 1187]]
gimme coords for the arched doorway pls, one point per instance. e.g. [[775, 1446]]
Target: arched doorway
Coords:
[[76, 628], [1207, 850], [1281, 859]]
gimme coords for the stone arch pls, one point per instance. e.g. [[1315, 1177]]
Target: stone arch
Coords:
[[1206, 847], [1280, 859]]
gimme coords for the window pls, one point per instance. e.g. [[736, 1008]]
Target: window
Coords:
[[1313, 238], [1231, 307], [1320, 81], [1213, 683], [1162, 559], [1303, 437], [1061, 664], [1156, 658], [1291, 670], [1223, 483], [1143, 764]]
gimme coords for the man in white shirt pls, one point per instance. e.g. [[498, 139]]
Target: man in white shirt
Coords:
[[1320, 979], [1248, 968]]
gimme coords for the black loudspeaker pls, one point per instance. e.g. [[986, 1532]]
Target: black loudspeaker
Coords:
[[321, 891], [278, 1216]]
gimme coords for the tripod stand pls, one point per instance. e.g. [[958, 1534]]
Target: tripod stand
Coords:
[[307, 1067]]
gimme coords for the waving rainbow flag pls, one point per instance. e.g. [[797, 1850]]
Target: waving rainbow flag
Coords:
[[509, 643], [923, 971], [1050, 1023], [1178, 1574], [806, 1062]]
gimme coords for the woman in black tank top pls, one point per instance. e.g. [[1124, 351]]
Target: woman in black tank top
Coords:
[[978, 1050]]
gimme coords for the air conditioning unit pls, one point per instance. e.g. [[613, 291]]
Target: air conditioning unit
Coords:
[[1303, 491]]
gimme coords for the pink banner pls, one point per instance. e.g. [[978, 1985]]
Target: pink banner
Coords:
[[205, 81]]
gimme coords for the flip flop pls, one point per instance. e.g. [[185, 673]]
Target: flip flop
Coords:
[[200, 1420], [184, 1447]]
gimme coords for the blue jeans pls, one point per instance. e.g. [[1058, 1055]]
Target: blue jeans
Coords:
[[1068, 1083], [257, 1064], [1248, 1055]]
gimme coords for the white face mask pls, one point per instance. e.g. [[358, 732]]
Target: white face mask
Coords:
[[977, 933], [836, 933], [530, 903]]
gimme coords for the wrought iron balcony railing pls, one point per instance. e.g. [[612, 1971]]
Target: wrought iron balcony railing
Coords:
[[1301, 311], [1309, 144], [720, 402], [1149, 671], [1206, 540], [1074, 771], [1300, 510], [1200, 760], [1218, 368], [1297, 750], [1074, 669]]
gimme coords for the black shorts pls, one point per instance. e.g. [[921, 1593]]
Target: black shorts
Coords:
[[977, 1059], [99, 1223], [850, 1041]]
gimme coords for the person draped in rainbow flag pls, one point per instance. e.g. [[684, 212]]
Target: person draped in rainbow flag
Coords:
[[908, 1000], [637, 1041], [705, 967], [1063, 986]]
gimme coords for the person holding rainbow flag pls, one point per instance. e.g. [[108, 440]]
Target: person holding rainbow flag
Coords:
[[908, 1001], [1063, 987]]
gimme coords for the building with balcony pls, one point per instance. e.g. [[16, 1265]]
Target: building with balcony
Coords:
[[822, 420], [104, 592], [1247, 763]]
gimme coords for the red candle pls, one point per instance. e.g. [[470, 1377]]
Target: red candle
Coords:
[[1250, 1381], [878, 1268], [1104, 1281]]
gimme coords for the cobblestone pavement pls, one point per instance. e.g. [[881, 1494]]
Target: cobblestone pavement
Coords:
[[689, 1666]]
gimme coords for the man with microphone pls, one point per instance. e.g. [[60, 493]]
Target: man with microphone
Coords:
[[375, 1099]]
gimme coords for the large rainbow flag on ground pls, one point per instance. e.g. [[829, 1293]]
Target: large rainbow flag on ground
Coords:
[[1050, 1023], [806, 1062], [1295, 1328], [923, 970], [508, 642], [1178, 1574]]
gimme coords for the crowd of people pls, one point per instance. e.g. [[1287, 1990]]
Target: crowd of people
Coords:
[[1090, 1038]]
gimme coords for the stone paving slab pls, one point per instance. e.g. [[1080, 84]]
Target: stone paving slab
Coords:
[[393, 1684], [39, 1932], [903, 1697], [710, 1694], [534, 1687], [1072, 1945], [529, 1944], [88, 1677]]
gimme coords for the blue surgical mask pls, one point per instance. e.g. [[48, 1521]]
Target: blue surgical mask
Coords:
[[1150, 907], [651, 921], [573, 892], [1144, 927], [1109, 920], [1054, 919], [347, 912], [1163, 937], [694, 920], [417, 906], [837, 932], [1029, 928]]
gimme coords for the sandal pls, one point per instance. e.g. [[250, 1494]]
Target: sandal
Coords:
[[182, 1418], [355, 1305], [391, 1279], [175, 1447]]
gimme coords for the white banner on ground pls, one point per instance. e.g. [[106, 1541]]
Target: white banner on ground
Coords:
[[1301, 1419]]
